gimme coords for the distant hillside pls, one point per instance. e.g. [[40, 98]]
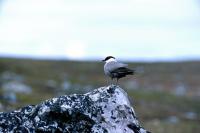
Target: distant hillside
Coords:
[[172, 77]]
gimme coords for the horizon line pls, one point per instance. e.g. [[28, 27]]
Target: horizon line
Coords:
[[61, 58]]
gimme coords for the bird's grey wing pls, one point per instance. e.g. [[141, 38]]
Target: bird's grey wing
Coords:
[[111, 66]]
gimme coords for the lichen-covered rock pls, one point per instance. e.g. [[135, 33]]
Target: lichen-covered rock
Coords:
[[104, 110]]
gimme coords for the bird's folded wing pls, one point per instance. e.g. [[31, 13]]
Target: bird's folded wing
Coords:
[[123, 71], [111, 66]]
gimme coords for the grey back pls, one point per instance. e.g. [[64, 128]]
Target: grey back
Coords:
[[110, 66]]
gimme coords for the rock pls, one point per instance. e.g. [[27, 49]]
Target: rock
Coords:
[[10, 76], [173, 119], [104, 110], [1, 106], [10, 97], [180, 89], [191, 115], [16, 87], [51, 84], [66, 85]]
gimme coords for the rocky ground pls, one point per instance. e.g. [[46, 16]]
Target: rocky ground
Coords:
[[104, 110]]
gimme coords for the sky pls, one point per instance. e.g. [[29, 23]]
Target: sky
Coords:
[[92, 29]]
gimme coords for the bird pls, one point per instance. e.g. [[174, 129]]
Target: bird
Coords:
[[115, 69]]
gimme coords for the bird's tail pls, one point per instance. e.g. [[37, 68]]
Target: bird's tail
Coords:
[[128, 71]]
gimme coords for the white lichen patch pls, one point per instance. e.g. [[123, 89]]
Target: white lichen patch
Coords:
[[43, 110], [54, 100], [121, 97], [64, 107], [94, 97], [37, 119]]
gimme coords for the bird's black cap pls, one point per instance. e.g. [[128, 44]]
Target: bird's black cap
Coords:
[[108, 57]]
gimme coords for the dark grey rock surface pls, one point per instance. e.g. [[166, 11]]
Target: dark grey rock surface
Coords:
[[104, 110]]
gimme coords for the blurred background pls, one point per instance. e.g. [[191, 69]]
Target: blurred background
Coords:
[[50, 48]]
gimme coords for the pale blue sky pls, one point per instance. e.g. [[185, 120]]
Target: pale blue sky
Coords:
[[89, 29]]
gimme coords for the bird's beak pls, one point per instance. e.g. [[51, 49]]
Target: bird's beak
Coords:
[[102, 60]]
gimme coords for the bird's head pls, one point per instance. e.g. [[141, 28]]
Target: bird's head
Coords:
[[109, 58]]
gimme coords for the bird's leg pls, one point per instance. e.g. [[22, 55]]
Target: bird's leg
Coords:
[[117, 81], [110, 81], [113, 81]]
